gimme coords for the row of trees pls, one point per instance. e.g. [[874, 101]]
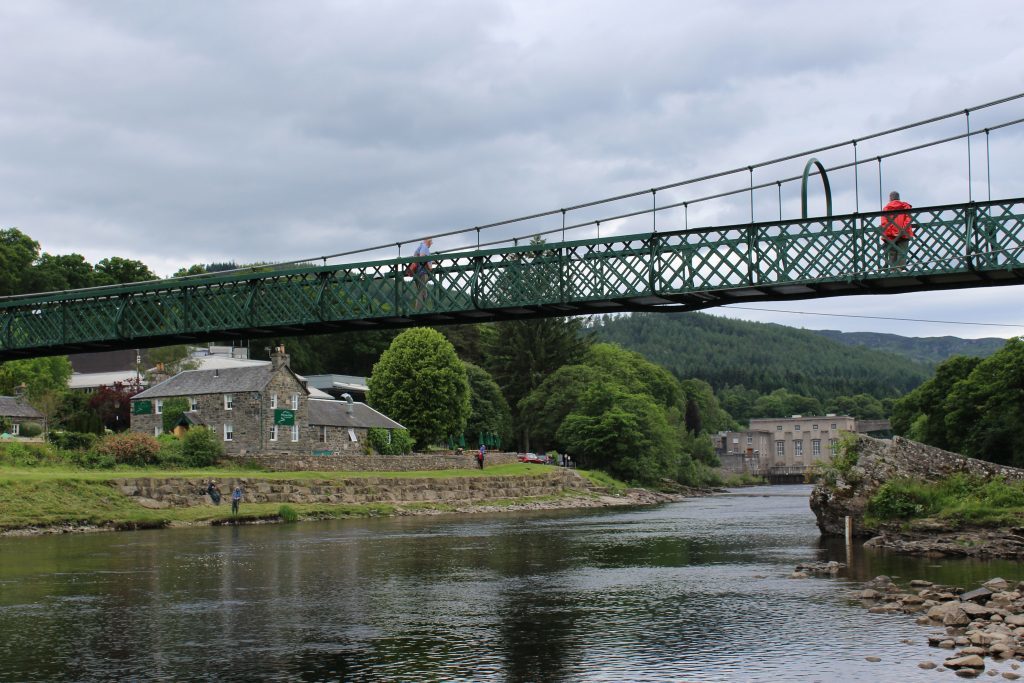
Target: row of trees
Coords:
[[609, 407], [24, 268], [971, 406]]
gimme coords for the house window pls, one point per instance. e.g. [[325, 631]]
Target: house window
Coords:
[[832, 445], [833, 425], [158, 430], [750, 439], [295, 401], [273, 432], [352, 436], [735, 439], [15, 429], [814, 427], [229, 432], [295, 432], [816, 448], [273, 400], [780, 449], [193, 404], [323, 433], [796, 428], [778, 428], [159, 407], [798, 449], [229, 401]]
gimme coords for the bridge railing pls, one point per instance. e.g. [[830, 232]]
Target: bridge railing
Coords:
[[649, 267]]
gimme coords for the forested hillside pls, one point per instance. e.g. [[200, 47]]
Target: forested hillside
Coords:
[[932, 350], [759, 356]]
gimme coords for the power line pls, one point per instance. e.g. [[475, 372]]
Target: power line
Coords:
[[874, 317]]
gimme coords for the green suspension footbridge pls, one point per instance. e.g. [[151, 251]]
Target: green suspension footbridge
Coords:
[[967, 244]]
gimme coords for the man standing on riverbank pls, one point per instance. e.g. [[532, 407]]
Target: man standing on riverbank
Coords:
[[480, 455], [236, 499]]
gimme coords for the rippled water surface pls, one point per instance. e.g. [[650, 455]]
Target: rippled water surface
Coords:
[[692, 591]]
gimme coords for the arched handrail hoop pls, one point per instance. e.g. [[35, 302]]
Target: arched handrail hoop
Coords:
[[824, 181]]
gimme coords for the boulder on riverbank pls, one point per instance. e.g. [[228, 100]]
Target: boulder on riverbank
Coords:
[[868, 463]]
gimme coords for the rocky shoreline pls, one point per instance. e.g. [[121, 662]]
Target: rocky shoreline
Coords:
[[985, 625], [932, 539], [628, 498]]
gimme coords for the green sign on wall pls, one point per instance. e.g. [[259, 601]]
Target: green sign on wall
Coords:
[[284, 416], [142, 407]]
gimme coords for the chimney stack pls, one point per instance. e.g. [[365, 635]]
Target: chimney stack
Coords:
[[279, 359]]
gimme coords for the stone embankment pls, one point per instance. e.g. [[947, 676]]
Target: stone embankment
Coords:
[[985, 626], [422, 462], [878, 461], [187, 492]]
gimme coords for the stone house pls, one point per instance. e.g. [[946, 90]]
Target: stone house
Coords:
[[789, 442], [260, 410], [16, 412]]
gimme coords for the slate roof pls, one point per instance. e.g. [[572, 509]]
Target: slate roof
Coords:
[[198, 382], [335, 414], [12, 407]]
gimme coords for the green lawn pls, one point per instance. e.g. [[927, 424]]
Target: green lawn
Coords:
[[47, 496]]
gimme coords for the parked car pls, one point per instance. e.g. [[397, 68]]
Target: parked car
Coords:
[[533, 457]]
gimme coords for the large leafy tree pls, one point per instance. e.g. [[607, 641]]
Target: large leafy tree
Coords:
[[112, 404], [921, 414], [626, 434], [18, 251], [489, 411], [117, 270], [783, 402], [985, 411], [39, 375], [861, 406], [420, 382], [521, 354]]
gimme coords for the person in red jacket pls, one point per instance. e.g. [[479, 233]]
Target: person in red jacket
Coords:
[[897, 231]]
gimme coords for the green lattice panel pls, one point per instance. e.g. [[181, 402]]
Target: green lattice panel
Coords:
[[285, 300], [596, 271], [803, 251], [152, 314], [522, 277], [713, 259], [999, 236], [219, 306], [89, 320], [450, 284]]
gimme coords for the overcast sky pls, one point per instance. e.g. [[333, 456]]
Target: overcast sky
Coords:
[[195, 132]]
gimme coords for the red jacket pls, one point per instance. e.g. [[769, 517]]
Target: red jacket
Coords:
[[898, 226]]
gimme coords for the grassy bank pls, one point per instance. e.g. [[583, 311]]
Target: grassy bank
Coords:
[[959, 499], [39, 497]]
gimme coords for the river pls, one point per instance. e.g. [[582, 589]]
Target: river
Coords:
[[689, 591]]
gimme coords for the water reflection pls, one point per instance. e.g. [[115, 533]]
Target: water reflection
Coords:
[[690, 591]]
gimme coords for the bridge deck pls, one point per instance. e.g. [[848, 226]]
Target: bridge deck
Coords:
[[957, 246]]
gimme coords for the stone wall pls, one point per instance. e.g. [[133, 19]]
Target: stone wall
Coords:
[[187, 492], [878, 461], [300, 462]]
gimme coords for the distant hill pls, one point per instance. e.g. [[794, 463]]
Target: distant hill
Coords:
[[761, 356], [931, 350]]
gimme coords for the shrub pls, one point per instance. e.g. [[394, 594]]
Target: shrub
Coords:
[[400, 444], [30, 429], [19, 455], [201, 448], [287, 513], [93, 460], [903, 499], [73, 441], [170, 454], [129, 448]]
